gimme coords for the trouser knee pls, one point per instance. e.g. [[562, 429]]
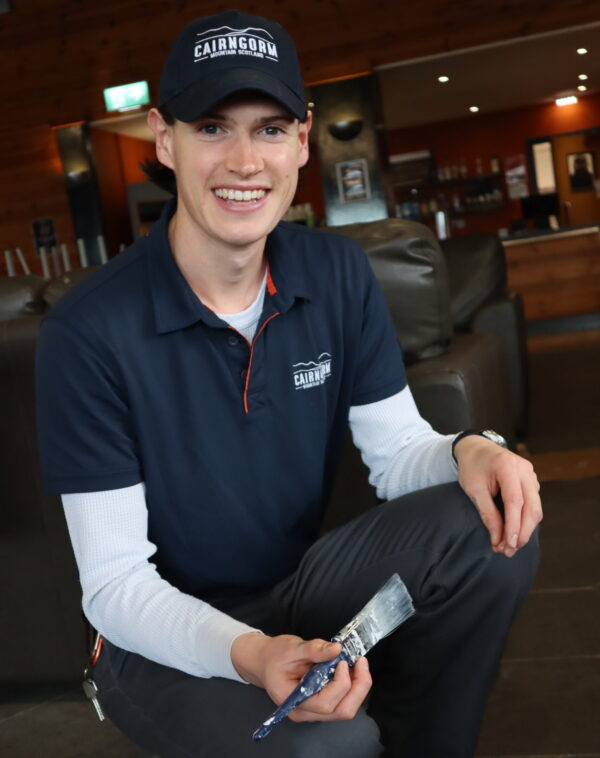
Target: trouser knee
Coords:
[[358, 738], [515, 574], [463, 563]]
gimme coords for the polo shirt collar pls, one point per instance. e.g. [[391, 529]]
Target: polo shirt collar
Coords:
[[286, 275], [176, 306]]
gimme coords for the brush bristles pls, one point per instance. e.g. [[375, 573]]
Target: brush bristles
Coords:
[[390, 607], [402, 610]]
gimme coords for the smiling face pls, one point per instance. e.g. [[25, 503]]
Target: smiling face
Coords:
[[236, 168]]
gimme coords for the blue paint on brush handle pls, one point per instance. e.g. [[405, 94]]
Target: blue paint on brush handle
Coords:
[[311, 683]]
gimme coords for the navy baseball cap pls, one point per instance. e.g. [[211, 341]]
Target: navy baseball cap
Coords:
[[215, 56]]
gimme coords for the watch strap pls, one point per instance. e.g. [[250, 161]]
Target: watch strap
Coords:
[[488, 434]]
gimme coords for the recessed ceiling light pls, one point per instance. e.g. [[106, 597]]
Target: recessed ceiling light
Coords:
[[570, 100], [443, 79], [581, 50], [474, 109], [583, 77], [582, 87]]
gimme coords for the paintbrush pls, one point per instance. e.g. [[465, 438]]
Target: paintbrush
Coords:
[[382, 615]]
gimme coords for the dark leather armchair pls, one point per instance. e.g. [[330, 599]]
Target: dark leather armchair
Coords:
[[21, 296], [480, 303], [459, 381], [42, 632]]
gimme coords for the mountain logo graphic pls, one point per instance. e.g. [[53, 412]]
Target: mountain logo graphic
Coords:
[[312, 373]]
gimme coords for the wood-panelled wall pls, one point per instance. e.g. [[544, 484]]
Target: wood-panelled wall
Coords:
[[56, 57]]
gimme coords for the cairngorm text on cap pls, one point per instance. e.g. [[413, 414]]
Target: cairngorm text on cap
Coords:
[[217, 56], [225, 40]]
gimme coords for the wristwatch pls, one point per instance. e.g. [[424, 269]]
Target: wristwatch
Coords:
[[489, 434]]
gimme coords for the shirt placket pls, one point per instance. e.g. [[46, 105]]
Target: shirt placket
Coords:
[[253, 374]]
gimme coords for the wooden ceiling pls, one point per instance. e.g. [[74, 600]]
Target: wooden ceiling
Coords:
[[56, 56]]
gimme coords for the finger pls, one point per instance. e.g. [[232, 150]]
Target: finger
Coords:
[[342, 697], [510, 477], [532, 511], [324, 703], [348, 706], [488, 513]]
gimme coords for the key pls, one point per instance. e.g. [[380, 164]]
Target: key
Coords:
[[90, 689]]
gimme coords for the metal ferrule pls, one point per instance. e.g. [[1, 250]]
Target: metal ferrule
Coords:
[[352, 644]]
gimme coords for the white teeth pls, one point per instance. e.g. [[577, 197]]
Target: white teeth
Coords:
[[239, 195]]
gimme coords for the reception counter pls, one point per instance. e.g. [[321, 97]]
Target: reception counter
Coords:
[[557, 273]]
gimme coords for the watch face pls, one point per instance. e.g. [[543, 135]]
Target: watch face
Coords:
[[493, 436]]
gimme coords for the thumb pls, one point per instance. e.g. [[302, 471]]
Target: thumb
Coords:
[[321, 650]]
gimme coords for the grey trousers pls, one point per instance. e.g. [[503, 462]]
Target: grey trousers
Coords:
[[431, 678]]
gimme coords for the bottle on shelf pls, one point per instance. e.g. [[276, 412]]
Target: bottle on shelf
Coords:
[[463, 170], [495, 164], [478, 167], [457, 205]]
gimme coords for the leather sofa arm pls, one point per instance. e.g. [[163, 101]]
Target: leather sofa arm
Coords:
[[465, 388], [505, 318]]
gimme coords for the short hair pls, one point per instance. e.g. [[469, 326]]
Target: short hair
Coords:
[[157, 172]]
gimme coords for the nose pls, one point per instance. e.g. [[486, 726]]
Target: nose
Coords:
[[244, 157]]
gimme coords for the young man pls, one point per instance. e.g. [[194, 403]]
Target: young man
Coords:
[[193, 397]]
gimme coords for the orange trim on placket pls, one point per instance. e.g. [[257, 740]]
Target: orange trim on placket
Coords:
[[271, 288], [249, 369]]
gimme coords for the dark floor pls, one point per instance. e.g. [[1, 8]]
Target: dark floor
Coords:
[[546, 703]]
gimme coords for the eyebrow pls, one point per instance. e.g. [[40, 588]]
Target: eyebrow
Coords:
[[278, 116]]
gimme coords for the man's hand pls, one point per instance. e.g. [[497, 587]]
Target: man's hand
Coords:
[[484, 469], [278, 663]]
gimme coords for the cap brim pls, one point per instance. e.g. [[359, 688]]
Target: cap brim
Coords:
[[200, 97]]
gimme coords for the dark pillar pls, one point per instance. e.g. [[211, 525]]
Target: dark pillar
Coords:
[[346, 118], [81, 186]]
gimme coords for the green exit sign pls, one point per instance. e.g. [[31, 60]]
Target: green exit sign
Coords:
[[126, 96]]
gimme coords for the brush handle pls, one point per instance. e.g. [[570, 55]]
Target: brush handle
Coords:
[[312, 682]]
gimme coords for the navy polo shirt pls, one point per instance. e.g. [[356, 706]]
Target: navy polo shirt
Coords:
[[237, 443]]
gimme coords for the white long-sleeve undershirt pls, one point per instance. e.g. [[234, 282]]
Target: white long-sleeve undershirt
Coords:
[[125, 598]]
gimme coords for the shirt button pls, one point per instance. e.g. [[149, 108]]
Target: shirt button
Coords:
[[233, 340], [243, 373]]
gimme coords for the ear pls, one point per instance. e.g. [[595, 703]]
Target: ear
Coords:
[[162, 137], [303, 131]]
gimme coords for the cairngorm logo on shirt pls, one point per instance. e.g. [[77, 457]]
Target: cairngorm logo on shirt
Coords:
[[313, 373], [225, 40]]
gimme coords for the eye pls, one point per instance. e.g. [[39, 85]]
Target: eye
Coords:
[[272, 130], [210, 129]]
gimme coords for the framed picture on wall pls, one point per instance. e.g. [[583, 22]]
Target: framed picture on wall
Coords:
[[44, 234], [582, 171], [353, 180], [515, 171]]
